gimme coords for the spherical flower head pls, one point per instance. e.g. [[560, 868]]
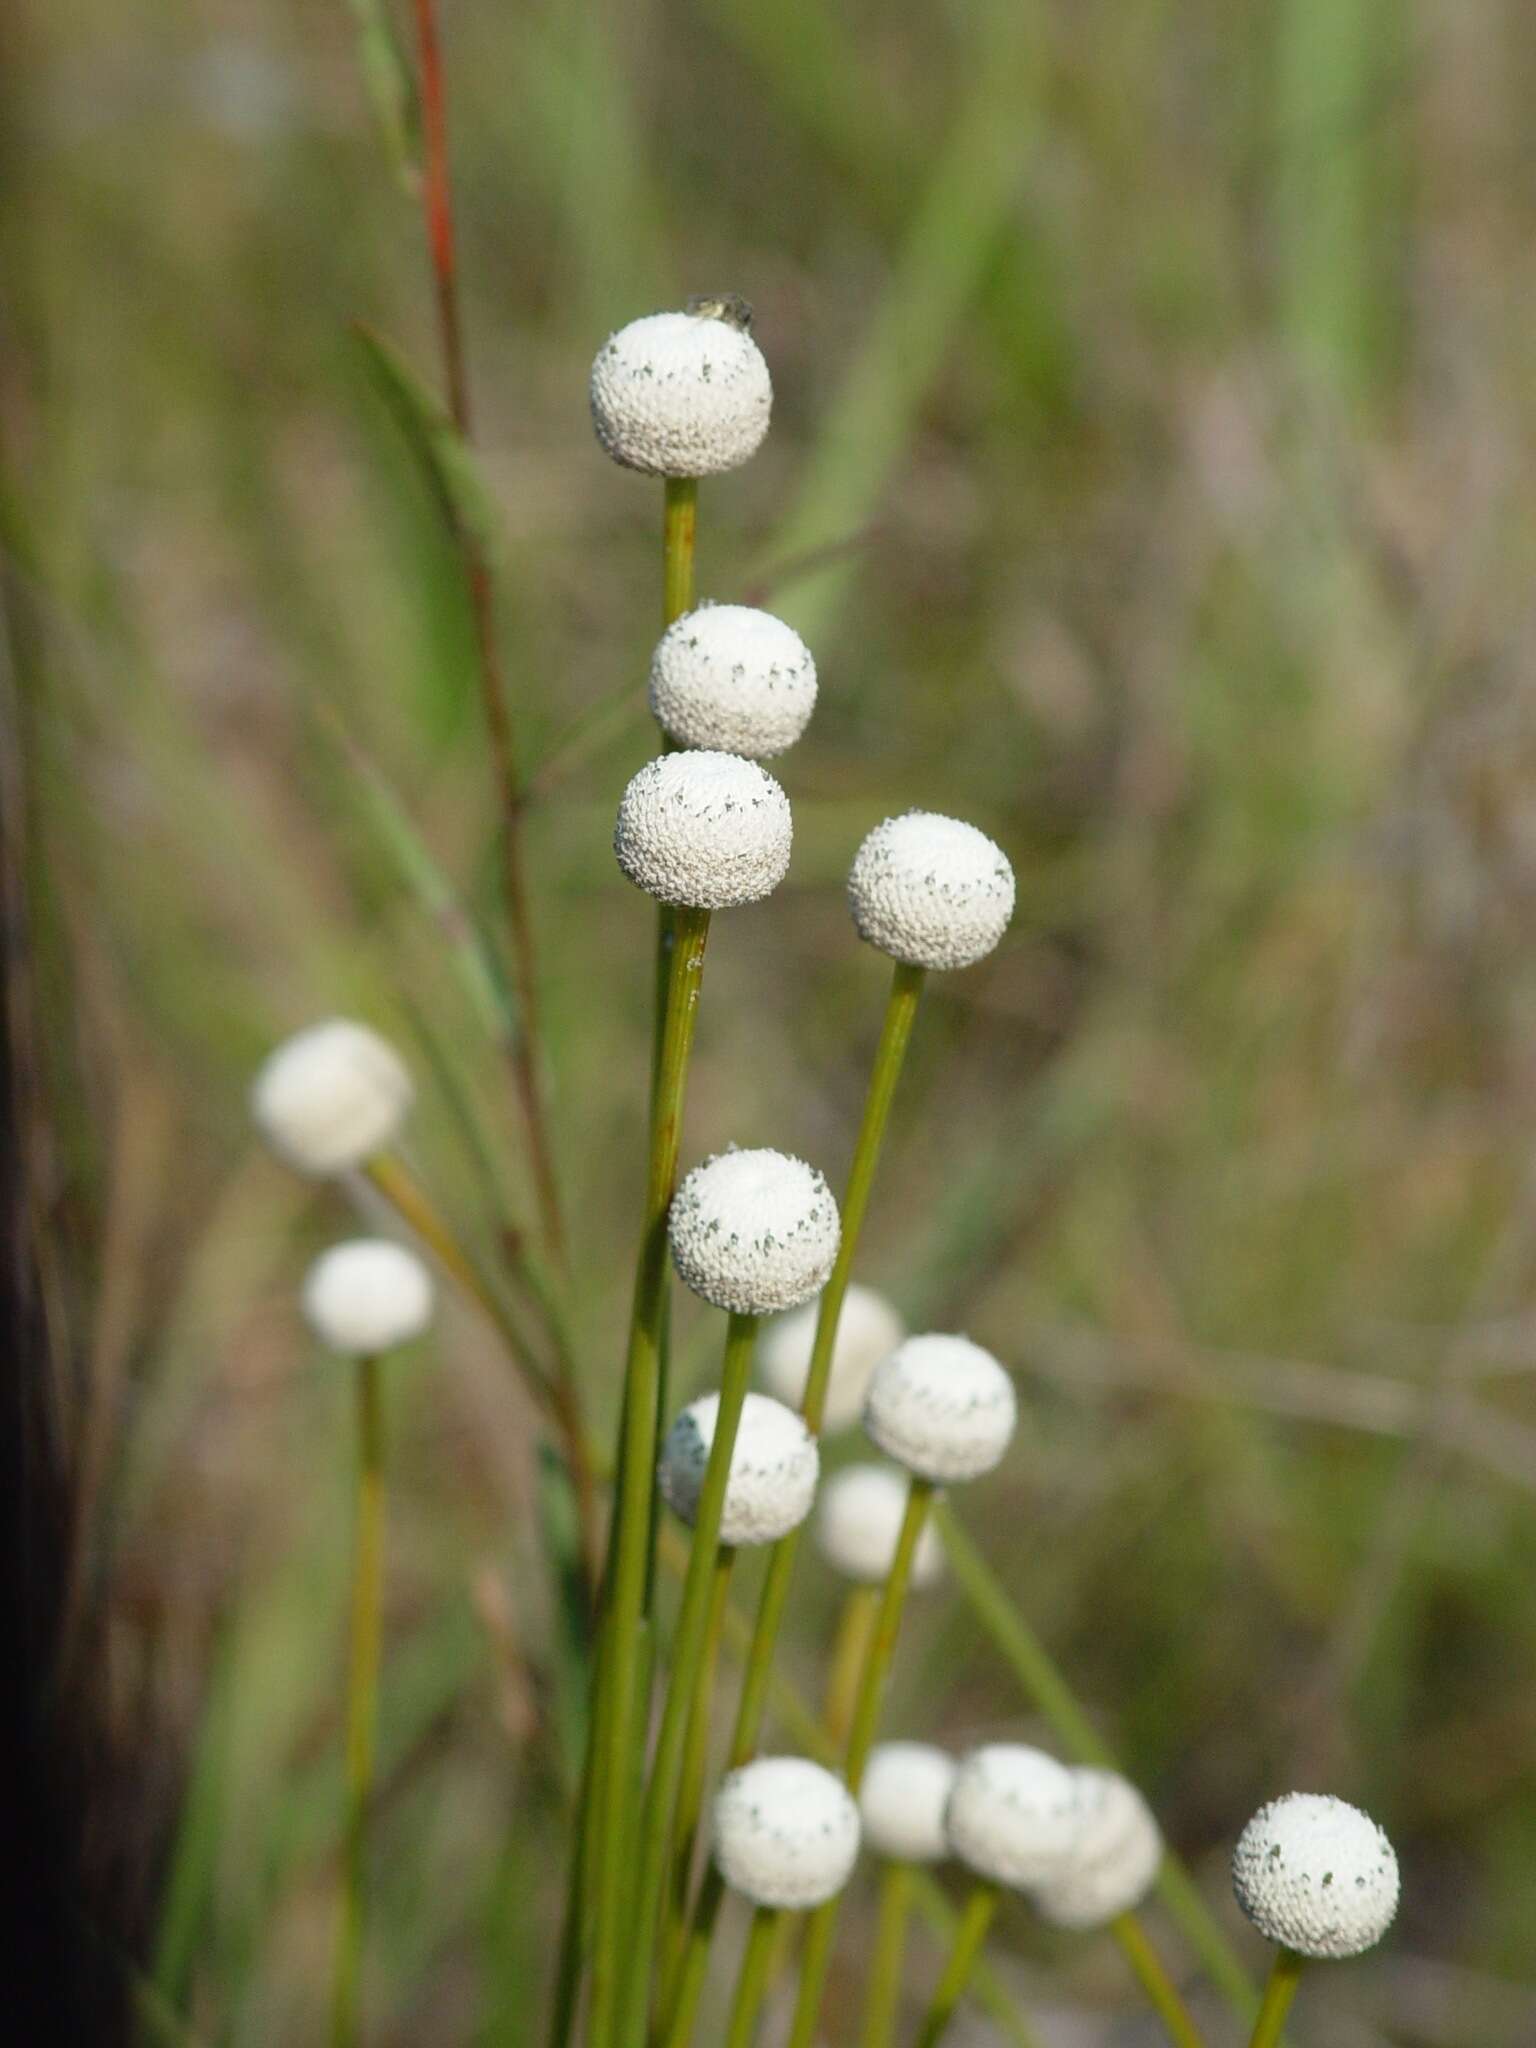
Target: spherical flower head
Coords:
[[1013, 1815], [931, 891], [867, 1331], [680, 394], [329, 1098], [704, 829], [1316, 1875], [367, 1296], [774, 1468], [902, 1800], [754, 1231], [731, 677], [858, 1520], [942, 1407], [786, 1832], [1113, 1859]]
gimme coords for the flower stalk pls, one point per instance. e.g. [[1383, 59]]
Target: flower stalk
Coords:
[[1284, 1976], [1162, 1994], [885, 1967], [970, 1935]]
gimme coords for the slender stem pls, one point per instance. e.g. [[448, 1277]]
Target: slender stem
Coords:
[[884, 1995], [857, 1620], [679, 531], [687, 1660], [635, 1463], [1053, 1698], [756, 1962], [437, 199], [986, 1987], [362, 1697], [690, 1791], [1161, 1992], [816, 1956], [681, 2002], [574, 1926], [969, 1936], [1284, 1976]]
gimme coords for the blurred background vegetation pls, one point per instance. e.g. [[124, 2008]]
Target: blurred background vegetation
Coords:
[[1150, 474]]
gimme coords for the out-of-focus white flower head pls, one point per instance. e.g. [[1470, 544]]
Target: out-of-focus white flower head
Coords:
[[1013, 1815], [730, 677], [367, 1296], [680, 394], [931, 891], [902, 1800], [1316, 1875], [858, 1520], [774, 1466], [867, 1331], [704, 829], [786, 1832], [942, 1407], [331, 1097], [754, 1231], [1114, 1857]]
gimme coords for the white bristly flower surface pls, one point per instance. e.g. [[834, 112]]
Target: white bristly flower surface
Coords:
[[858, 1520], [1013, 1815], [731, 677], [331, 1097], [680, 394], [367, 1296], [786, 1832], [902, 1801], [754, 1231], [931, 891], [942, 1407], [1316, 1875], [774, 1467], [704, 829], [868, 1330], [1114, 1857]]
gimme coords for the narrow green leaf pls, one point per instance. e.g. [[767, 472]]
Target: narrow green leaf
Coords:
[[391, 89]]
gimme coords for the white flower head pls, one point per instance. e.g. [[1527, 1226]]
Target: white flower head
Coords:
[[329, 1098], [680, 394], [942, 1407], [1013, 1815], [1316, 1875], [774, 1468], [704, 829], [931, 891], [858, 1519], [754, 1231], [367, 1296], [867, 1331], [902, 1800], [786, 1832], [732, 677], [1113, 1859]]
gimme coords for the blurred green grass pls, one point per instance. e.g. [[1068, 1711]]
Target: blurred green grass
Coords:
[[1158, 378]]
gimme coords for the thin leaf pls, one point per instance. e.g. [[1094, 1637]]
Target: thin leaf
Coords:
[[391, 89]]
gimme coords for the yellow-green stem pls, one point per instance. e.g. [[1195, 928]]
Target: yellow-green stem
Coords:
[[690, 1791], [860, 1608], [687, 1658], [680, 520], [1284, 1976], [1155, 1981], [362, 1697], [969, 1936], [884, 1996], [753, 1979], [822, 1924], [623, 1709]]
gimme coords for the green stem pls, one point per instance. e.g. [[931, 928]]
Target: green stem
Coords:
[[969, 1936], [890, 1946], [362, 1697], [679, 527], [622, 1709], [690, 1791], [1284, 1976], [1155, 1981], [687, 1660], [1053, 1698], [753, 1980], [860, 1609], [816, 1956], [987, 1987]]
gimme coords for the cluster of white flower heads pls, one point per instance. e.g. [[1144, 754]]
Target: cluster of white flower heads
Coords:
[[734, 678], [858, 1519], [942, 1407], [774, 1468], [786, 1832], [931, 891], [1316, 1875], [367, 1296], [868, 1329], [1113, 1859], [704, 829], [331, 1097], [1013, 1815], [680, 394], [903, 1799], [754, 1231]]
